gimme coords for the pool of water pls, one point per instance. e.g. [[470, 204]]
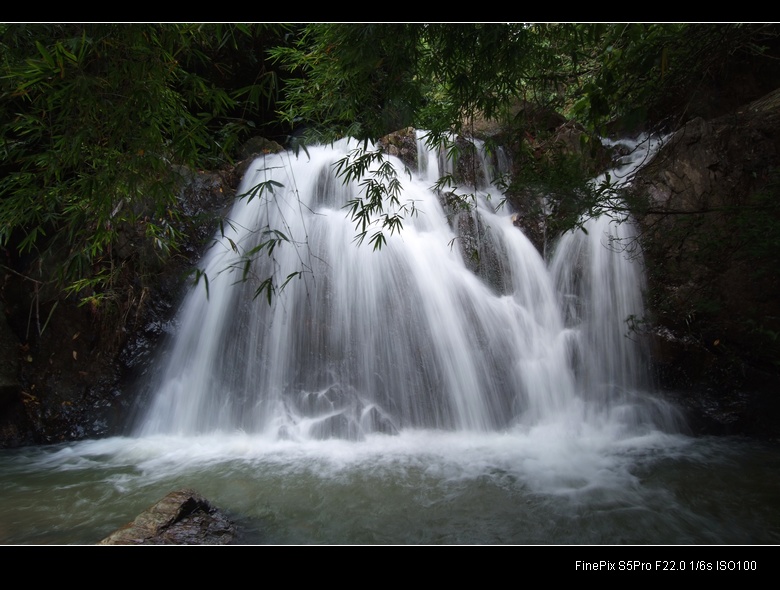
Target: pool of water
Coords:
[[532, 487]]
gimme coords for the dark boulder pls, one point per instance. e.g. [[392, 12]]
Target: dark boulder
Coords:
[[182, 517]]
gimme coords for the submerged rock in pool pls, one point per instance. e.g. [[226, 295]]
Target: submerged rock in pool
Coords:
[[182, 517]]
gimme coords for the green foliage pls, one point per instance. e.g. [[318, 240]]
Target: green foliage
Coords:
[[354, 80], [378, 202], [259, 189], [650, 73], [96, 120], [367, 80]]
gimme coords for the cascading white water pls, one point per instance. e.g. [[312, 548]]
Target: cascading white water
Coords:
[[599, 279], [429, 332]]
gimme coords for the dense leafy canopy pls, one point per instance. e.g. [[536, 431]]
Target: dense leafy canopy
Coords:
[[96, 119], [368, 80], [365, 81]]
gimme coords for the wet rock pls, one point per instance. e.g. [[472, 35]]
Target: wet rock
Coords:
[[183, 517], [401, 144]]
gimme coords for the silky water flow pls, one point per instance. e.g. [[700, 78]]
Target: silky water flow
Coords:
[[456, 324]]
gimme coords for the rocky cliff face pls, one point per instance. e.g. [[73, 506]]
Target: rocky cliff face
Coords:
[[710, 215]]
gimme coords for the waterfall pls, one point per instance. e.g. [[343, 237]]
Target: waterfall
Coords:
[[599, 277], [456, 324]]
